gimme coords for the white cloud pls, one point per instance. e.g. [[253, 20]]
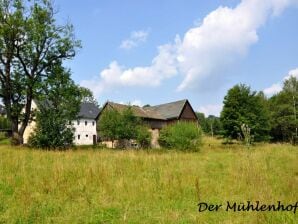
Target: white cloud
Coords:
[[133, 103], [293, 72], [277, 87], [116, 75], [211, 109], [136, 38], [224, 36], [137, 103]]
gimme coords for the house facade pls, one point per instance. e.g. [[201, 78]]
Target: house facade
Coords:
[[156, 117], [84, 127]]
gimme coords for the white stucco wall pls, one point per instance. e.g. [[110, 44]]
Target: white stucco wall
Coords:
[[84, 133], [31, 125]]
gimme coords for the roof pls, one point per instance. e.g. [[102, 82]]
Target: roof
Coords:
[[169, 110], [160, 112], [88, 110]]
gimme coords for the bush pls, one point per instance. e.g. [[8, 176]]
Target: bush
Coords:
[[182, 136], [51, 132], [2, 136], [143, 137]]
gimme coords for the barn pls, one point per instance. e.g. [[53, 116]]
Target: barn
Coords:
[[156, 117]]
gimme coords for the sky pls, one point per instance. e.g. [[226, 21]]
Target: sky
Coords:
[[153, 52]]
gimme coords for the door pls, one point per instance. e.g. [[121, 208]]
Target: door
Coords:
[[94, 140]]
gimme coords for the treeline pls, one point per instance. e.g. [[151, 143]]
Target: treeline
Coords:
[[266, 119]]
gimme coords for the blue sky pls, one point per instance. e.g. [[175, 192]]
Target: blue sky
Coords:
[[152, 52]]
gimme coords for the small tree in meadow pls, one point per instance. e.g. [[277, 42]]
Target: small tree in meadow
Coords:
[[181, 135], [246, 134]]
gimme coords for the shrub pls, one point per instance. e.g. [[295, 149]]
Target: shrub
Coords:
[[2, 136], [143, 136], [51, 132], [182, 136]]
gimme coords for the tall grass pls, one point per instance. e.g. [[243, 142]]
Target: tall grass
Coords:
[[109, 186]]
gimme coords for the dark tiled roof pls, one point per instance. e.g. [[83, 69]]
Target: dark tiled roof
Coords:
[[161, 112], [88, 110], [169, 110]]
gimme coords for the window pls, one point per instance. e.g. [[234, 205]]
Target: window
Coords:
[[78, 122], [86, 136], [79, 136], [93, 123], [86, 123]]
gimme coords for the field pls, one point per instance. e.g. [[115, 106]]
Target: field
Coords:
[[129, 186]]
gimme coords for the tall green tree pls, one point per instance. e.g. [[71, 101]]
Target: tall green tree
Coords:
[[31, 42], [283, 111], [243, 106]]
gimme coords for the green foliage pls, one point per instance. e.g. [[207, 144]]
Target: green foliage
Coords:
[[143, 136], [283, 111], [181, 135], [108, 125], [51, 132], [128, 126], [31, 43], [57, 108], [241, 106], [114, 125], [2, 136], [210, 125], [5, 124]]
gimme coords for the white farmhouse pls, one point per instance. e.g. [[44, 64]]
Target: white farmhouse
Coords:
[[85, 126]]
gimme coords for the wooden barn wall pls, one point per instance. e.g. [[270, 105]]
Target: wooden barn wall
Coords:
[[155, 124], [188, 114]]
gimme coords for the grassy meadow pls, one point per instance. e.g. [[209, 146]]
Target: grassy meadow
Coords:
[[139, 186]]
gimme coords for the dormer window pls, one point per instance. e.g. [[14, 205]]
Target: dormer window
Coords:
[[86, 123]]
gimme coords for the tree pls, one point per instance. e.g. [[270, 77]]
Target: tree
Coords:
[[123, 126], [242, 106], [210, 125], [203, 122], [283, 112], [58, 106], [108, 125], [30, 44]]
